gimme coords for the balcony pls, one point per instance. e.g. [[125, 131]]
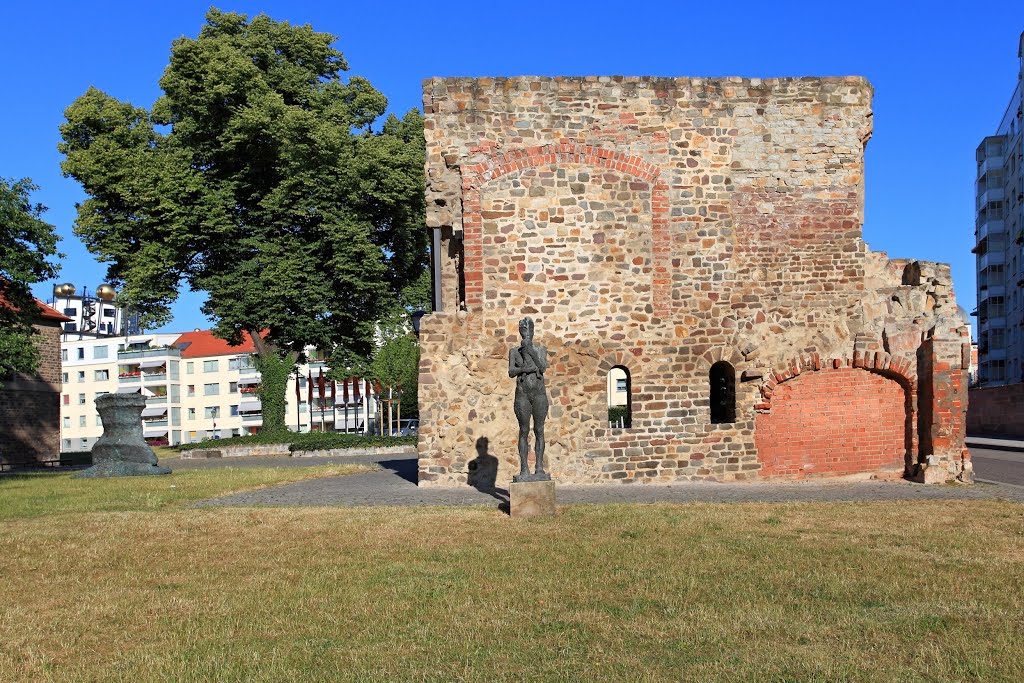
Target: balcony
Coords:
[[988, 227], [163, 352], [990, 163], [154, 376], [154, 423], [125, 377], [156, 400], [990, 194], [991, 258], [252, 418], [990, 291]]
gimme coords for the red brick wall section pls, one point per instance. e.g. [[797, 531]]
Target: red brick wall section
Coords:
[[30, 406], [996, 411], [835, 421]]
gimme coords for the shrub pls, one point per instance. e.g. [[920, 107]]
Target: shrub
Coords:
[[307, 441]]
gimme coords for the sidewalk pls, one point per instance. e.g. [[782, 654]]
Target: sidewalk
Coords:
[[996, 443]]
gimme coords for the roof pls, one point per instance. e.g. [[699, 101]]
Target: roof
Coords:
[[45, 312], [50, 313], [204, 343]]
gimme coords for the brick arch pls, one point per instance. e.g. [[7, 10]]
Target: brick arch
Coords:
[[498, 164], [868, 425], [718, 353], [503, 163]]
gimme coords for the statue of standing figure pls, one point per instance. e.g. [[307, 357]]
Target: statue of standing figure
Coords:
[[527, 363]]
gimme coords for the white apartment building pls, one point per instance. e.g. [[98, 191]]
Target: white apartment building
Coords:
[[92, 367], [197, 387], [999, 235]]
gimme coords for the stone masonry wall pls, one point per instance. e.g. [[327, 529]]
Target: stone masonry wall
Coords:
[[659, 225], [30, 406]]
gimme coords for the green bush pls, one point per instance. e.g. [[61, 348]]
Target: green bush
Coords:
[[307, 441], [317, 441], [617, 412]]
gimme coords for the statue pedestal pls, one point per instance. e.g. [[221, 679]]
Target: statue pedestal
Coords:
[[531, 498], [122, 451]]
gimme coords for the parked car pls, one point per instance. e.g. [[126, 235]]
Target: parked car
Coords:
[[408, 427]]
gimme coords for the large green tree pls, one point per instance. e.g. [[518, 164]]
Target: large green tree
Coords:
[[26, 244], [258, 178]]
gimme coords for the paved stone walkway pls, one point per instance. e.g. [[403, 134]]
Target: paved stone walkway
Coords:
[[395, 485]]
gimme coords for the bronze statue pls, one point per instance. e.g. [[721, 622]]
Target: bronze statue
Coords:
[[527, 363]]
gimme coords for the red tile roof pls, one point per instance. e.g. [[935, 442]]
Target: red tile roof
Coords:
[[204, 343], [45, 312], [49, 313]]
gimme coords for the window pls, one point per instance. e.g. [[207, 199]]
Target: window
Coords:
[[722, 379], [620, 402], [67, 422], [212, 412], [101, 375], [192, 415], [67, 399], [81, 376], [64, 377], [71, 312], [100, 393], [81, 420], [175, 417], [190, 390], [99, 421], [81, 399], [211, 389], [99, 352], [64, 355], [210, 366], [190, 368], [233, 387], [110, 313], [81, 353], [84, 442], [234, 411], [233, 364], [67, 444]]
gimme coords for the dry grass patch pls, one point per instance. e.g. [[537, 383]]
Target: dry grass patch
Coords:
[[46, 493], [922, 591]]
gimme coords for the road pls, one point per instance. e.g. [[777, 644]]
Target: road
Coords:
[[1006, 467]]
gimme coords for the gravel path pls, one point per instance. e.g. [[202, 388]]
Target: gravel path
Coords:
[[395, 484]]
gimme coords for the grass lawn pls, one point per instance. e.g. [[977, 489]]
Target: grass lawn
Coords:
[[922, 591], [44, 493]]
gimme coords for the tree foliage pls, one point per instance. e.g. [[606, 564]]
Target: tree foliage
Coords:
[[258, 179], [27, 243]]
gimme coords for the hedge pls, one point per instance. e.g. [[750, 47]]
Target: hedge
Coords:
[[307, 441]]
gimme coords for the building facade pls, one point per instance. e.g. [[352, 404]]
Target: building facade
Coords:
[[197, 387], [999, 233], [701, 239]]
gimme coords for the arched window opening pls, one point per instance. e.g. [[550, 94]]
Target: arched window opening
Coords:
[[722, 379], [620, 398]]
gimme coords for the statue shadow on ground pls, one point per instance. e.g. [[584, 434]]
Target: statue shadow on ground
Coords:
[[483, 474]]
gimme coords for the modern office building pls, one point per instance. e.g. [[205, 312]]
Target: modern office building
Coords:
[[999, 233], [197, 387]]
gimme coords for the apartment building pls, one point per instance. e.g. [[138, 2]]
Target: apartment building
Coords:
[[999, 233], [92, 367], [198, 387]]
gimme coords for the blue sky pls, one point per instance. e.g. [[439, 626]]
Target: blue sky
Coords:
[[942, 72]]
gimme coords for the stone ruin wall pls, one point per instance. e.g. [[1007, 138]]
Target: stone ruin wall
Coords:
[[662, 225]]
